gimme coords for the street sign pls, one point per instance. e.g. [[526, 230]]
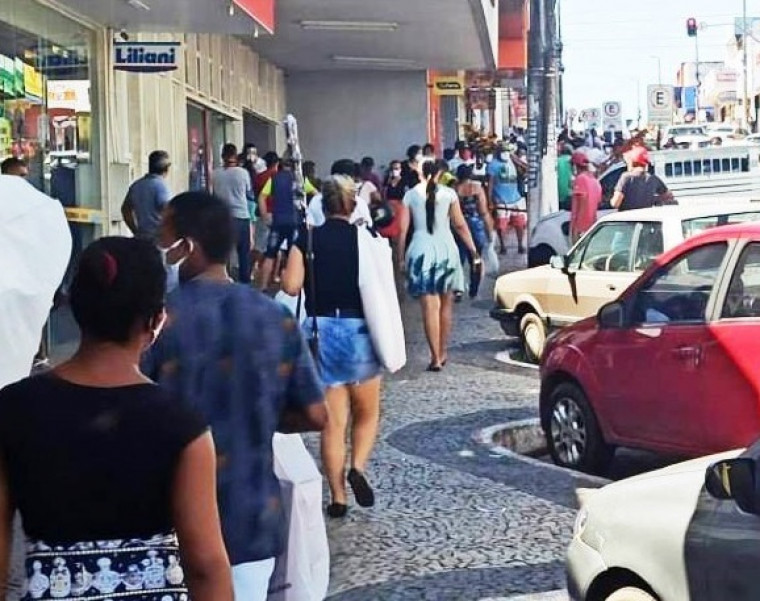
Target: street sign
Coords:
[[612, 118], [660, 105], [591, 118]]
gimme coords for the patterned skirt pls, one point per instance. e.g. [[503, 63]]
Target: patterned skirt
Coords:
[[136, 569]]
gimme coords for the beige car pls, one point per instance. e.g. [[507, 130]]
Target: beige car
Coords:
[[601, 266]]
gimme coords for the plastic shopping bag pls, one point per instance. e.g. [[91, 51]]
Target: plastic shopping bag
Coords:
[[491, 259], [302, 572]]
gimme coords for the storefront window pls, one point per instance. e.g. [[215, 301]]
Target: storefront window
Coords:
[[49, 118], [207, 131], [47, 101]]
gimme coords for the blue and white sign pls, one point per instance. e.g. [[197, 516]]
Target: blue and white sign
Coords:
[[146, 57]]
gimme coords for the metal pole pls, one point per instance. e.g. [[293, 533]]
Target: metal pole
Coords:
[[745, 97], [535, 100], [699, 84]]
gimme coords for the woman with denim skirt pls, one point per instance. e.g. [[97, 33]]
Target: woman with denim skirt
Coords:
[[347, 360]]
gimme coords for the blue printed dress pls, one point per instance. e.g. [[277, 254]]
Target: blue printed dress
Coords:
[[433, 265]]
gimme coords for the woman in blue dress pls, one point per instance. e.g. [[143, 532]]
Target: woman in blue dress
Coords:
[[433, 267]]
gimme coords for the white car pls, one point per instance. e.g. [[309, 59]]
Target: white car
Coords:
[[612, 254], [687, 136], [689, 532]]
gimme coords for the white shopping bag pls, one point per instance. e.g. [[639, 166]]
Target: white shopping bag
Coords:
[[302, 572], [291, 302], [377, 285], [35, 246], [490, 258]]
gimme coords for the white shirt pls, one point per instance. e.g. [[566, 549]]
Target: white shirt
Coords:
[[315, 214]]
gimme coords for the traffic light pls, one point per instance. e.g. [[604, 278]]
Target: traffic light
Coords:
[[691, 27]]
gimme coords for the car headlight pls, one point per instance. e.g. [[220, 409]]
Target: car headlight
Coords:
[[580, 522]]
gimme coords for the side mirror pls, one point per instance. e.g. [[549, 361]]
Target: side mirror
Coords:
[[559, 262], [611, 316], [734, 479]]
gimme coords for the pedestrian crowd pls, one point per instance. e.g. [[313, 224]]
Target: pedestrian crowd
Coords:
[[584, 159], [157, 434]]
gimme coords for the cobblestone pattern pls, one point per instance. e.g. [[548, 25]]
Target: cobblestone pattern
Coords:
[[453, 522]]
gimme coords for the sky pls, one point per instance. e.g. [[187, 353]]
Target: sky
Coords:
[[610, 53]]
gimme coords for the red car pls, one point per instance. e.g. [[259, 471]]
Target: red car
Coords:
[[672, 366]]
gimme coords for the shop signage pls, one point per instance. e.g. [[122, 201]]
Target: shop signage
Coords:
[[445, 85], [145, 57], [79, 215], [32, 83], [261, 11]]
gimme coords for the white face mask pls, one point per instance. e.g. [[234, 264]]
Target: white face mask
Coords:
[[419, 158], [489, 158], [396, 172], [505, 156], [172, 269]]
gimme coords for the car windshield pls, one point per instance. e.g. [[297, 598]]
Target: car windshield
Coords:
[[696, 225], [687, 131]]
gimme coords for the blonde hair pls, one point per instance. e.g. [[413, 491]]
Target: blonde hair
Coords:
[[336, 189]]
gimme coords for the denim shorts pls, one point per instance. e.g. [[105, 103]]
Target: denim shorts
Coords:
[[346, 354]]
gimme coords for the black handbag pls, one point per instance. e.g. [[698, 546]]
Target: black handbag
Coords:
[[313, 337]]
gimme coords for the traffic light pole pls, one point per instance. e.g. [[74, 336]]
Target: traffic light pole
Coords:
[[699, 83]]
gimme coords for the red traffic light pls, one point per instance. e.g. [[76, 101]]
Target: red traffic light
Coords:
[[691, 27]]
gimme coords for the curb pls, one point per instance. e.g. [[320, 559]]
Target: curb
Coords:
[[527, 430]]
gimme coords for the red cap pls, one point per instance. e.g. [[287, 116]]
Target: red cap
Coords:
[[638, 155], [579, 159]]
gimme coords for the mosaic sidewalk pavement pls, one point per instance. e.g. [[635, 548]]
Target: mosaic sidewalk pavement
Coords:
[[452, 521]]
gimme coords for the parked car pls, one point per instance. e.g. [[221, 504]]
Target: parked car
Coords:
[[687, 136], [689, 532], [620, 246], [671, 366]]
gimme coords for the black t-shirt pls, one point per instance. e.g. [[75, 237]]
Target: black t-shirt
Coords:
[[336, 268], [87, 464], [640, 190]]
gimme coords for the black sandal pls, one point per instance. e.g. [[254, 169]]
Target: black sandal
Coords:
[[363, 492], [433, 367], [337, 510]]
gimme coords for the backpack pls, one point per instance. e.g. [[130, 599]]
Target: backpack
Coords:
[[283, 202]]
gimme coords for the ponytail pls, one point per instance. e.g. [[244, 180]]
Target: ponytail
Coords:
[[430, 170]]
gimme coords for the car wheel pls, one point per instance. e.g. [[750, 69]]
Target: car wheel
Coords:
[[540, 255], [573, 434], [532, 336], [630, 593]]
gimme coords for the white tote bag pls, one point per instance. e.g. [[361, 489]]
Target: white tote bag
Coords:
[[302, 572], [379, 300]]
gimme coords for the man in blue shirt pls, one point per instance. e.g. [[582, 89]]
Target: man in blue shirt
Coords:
[[238, 358], [147, 197], [506, 200]]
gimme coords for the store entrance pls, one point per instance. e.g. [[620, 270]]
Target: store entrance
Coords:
[[260, 132], [207, 132]]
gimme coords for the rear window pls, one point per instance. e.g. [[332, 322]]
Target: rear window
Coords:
[[694, 226]]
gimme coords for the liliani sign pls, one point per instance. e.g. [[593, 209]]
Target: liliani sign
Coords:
[[145, 57]]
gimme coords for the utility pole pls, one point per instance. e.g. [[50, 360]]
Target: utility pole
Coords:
[[536, 84], [549, 192], [745, 35]]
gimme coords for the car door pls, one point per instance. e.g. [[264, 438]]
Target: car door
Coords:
[[732, 380], [722, 549], [599, 269], [650, 373]]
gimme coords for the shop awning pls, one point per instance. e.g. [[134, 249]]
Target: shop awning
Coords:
[[234, 17], [393, 35]]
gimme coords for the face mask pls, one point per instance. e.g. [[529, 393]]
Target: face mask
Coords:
[[396, 172], [172, 269], [505, 156], [419, 158], [489, 158]]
